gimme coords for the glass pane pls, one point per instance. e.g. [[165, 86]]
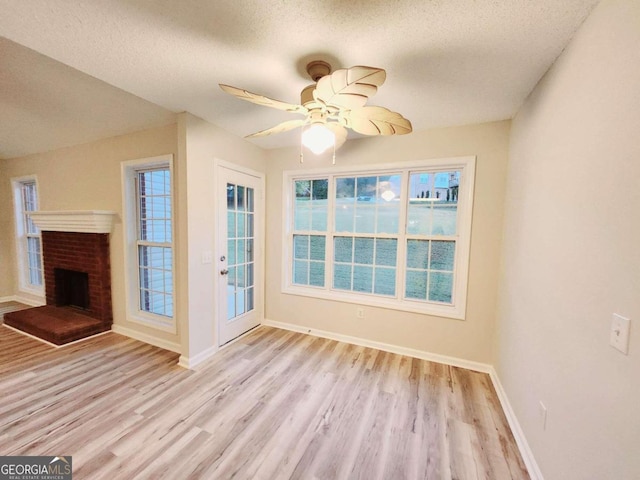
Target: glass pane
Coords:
[[386, 251], [362, 279], [388, 218], [444, 219], [249, 279], [240, 303], [301, 246], [316, 274], [250, 199], [344, 217], [231, 196], [241, 276], [240, 197], [416, 286], [241, 224], [250, 251], [419, 217], [342, 277], [250, 220], [231, 225], [241, 252], [366, 189], [417, 253], [343, 249], [319, 217], [345, 189], [317, 247], [231, 305], [231, 252], [250, 303], [302, 207], [440, 287], [231, 277], [363, 251], [385, 282], [319, 189], [365, 218], [301, 272], [442, 254]]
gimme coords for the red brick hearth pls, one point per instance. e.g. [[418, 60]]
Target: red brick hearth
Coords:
[[56, 322]]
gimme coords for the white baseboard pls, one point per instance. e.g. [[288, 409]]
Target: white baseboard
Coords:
[[516, 429], [150, 339], [190, 362], [386, 347], [26, 301]]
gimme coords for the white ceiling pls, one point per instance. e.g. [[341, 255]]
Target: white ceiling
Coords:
[[448, 62]]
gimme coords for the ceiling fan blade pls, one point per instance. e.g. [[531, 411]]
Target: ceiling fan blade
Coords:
[[375, 121], [339, 131], [262, 100], [282, 127], [349, 87]]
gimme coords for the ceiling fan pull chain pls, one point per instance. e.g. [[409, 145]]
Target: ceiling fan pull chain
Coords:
[[334, 153], [301, 155]]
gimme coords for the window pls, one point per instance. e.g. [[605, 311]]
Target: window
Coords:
[[393, 236], [149, 242], [28, 235]]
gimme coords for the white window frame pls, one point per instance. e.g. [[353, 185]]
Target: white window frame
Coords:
[[24, 282], [456, 310], [129, 171]]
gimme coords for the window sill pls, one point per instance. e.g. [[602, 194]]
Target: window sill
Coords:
[[447, 311], [153, 321]]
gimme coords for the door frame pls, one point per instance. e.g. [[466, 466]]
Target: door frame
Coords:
[[220, 244]]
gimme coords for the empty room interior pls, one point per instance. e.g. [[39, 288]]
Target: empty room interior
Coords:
[[321, 240]]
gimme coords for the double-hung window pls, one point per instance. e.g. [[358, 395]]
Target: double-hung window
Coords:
[[149, 231], [393, 236], [28, 235]]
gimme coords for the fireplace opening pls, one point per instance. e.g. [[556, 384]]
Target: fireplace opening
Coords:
[[72, 288]]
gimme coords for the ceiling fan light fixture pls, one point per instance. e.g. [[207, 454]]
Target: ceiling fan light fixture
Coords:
[[318, 138]]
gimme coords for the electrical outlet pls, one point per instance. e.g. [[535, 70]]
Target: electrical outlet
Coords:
[[360, 312], [619, 337], [543, 416]]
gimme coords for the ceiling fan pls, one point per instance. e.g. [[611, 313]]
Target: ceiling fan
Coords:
[[330, 106]]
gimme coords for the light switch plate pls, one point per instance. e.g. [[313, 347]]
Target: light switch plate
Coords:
[[620, 333], [207, 256]]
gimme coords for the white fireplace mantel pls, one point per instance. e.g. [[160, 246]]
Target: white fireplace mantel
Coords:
[[83, 221]]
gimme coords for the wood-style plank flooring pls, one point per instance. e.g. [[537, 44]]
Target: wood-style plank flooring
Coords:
[[274, 404]]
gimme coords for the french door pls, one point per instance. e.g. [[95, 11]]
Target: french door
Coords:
[[239, 255]]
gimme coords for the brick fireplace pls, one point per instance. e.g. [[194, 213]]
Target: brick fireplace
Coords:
[[77, 278], [84, 253]]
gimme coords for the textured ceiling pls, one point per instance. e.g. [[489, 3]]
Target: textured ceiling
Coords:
[[448, 62]]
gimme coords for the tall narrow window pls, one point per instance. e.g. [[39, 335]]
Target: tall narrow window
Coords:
[[149, 241], [28, 235], [155, 256]]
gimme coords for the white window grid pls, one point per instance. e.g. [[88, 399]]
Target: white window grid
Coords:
[[154, 240], [32, 242], [456, 306]]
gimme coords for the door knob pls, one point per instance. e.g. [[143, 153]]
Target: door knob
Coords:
[[224, 272]]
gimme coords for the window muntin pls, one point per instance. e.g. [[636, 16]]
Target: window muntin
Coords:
[[395, 237], [29, 238], [154, 247]]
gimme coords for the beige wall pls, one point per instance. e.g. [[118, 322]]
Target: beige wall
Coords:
[[572, 254], [469, 339], [200, 144], [83, 177]]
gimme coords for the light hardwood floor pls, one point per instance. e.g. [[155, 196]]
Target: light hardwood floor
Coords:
[[275, 404]]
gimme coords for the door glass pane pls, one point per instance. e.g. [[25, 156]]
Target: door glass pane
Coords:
[[240, 249]]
